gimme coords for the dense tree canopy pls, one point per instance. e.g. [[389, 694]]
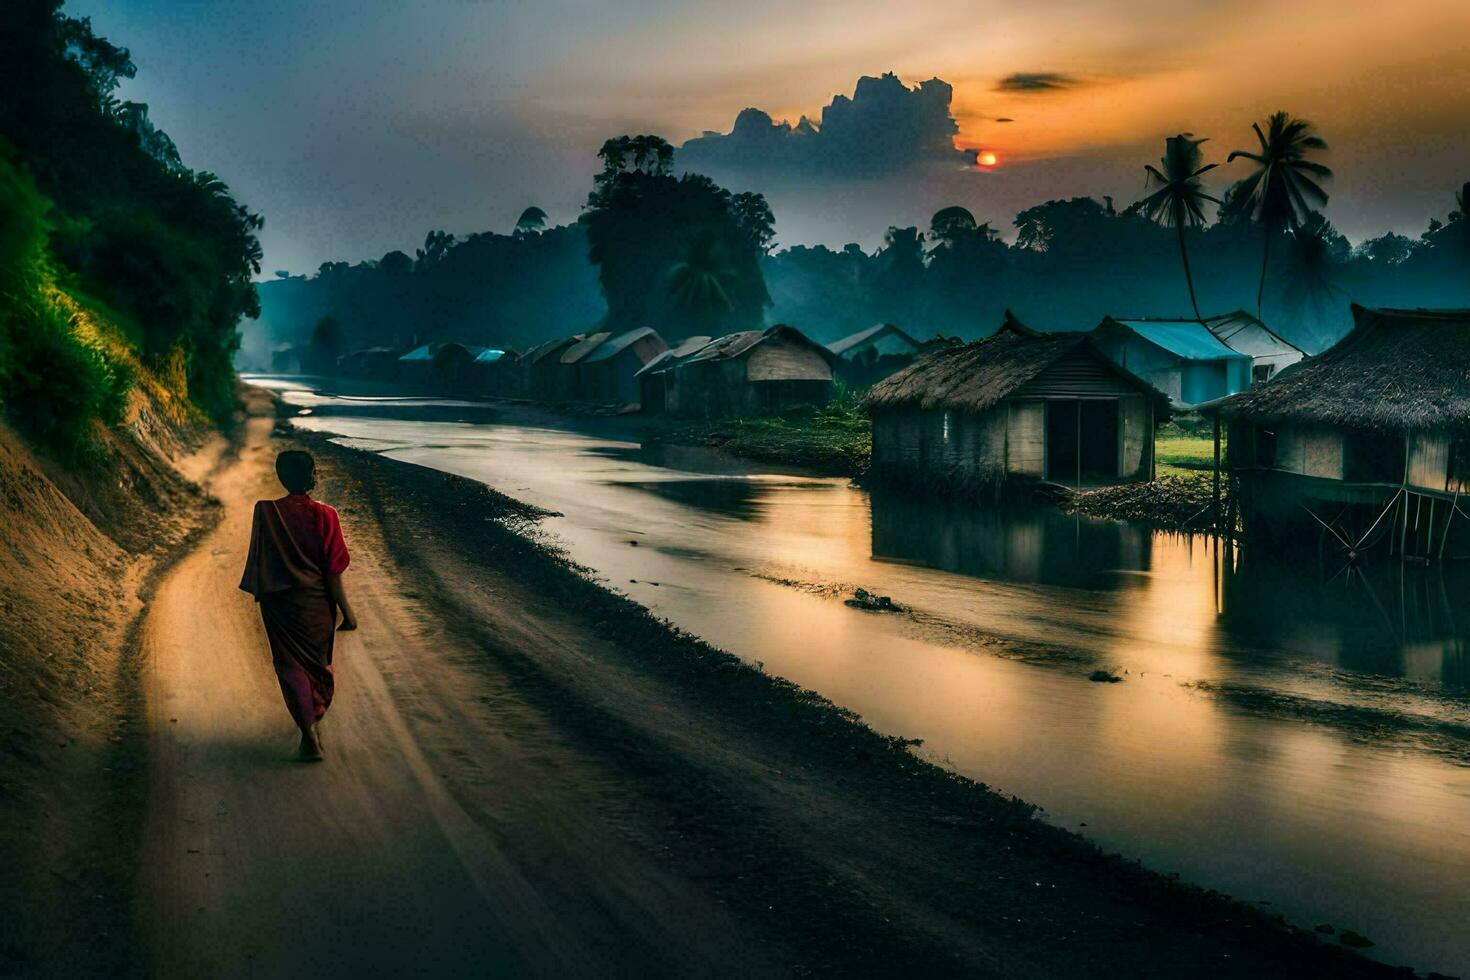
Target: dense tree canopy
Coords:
[[681, 254], [166, 249]]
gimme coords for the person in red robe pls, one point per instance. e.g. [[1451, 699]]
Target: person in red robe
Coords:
[[294, 570]]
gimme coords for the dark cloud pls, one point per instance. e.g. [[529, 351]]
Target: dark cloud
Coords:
[[1035, 81], [1002, 119], [884, 128]]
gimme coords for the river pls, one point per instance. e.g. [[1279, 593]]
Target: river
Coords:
[[1294, 736]]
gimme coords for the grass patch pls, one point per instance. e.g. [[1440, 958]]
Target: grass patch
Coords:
[[835, 439], [1186, 446]]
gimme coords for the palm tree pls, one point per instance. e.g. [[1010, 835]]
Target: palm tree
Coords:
[[1284, 190], [1180, 199], [531, 219], [704, 280], [1314, 258]]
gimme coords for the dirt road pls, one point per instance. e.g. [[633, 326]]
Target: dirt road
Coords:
[[529, 775], [449, 832]]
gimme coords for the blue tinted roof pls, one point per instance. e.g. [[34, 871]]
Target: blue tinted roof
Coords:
[[489, 356], [1186, 338]]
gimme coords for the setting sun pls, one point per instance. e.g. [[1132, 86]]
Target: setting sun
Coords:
[[987, 158]]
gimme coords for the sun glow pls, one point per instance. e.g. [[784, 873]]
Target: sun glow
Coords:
[[987, 158]]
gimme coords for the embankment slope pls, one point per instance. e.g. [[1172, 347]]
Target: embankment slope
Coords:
[[81, 541]]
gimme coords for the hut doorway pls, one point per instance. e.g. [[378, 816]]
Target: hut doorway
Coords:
[[1082, 440]]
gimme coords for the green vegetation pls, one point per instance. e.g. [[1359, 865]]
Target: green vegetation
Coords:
[[836, 439], [679, 254], [118, 264], [1186, 446]]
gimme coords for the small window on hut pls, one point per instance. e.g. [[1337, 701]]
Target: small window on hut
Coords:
[[1459, 466], [1262, 372], [1265, 448], [1373, 457]]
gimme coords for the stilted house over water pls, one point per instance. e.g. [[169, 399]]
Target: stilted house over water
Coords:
[[1019, 404], [1181, 358], [1366, 445]]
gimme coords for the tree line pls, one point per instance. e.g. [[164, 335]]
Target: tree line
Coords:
[[688, 257]]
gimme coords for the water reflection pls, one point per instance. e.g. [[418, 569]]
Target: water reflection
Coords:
[[1387, 619], [1022, 544]]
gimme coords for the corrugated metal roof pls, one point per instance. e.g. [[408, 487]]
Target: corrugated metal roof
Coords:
[[1188, 339], [840, 347], [615, 345], [582, 348]]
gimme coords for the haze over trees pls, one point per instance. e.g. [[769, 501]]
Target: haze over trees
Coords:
[[686, 256]]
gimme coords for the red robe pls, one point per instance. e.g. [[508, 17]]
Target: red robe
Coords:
[[295, 543]]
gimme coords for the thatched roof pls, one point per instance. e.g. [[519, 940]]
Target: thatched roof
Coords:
[[978, 376], [1396, 370]]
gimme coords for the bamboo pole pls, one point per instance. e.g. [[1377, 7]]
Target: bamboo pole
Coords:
[[1217, 472]]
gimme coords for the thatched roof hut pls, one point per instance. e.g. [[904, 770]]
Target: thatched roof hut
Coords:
[[1396, 370], [1019, 403]]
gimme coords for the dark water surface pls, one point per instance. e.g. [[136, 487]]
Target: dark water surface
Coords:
[[1285, 733]]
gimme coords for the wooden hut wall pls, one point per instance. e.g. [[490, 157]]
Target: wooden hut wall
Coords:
[[1026, 438], [1429, 460], [1309, 451], [948, 442], [778, 361], [1136, 432], [1078, 375]]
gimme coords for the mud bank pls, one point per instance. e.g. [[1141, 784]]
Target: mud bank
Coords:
[[835, 848], [82, 544]]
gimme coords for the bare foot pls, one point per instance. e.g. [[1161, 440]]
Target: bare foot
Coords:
[[311, 746]]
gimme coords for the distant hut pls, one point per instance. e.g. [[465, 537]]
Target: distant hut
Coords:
[[755, 372], [487, 370], [441, 364], [609, 373], [567, 384], [543, 367], [368, 364], [1181, 358], [1366, 443], [653, 377], [874, 353], [1243, 333], [1019, 404]]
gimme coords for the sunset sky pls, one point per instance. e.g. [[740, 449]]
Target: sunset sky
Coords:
[[355, 133]]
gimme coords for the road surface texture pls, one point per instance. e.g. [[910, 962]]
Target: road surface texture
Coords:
[[518, 783]]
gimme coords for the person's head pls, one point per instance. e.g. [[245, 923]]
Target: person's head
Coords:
[[296, 470]]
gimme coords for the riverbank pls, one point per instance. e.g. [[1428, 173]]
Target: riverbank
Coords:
[[835, 845], [835, 440]]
